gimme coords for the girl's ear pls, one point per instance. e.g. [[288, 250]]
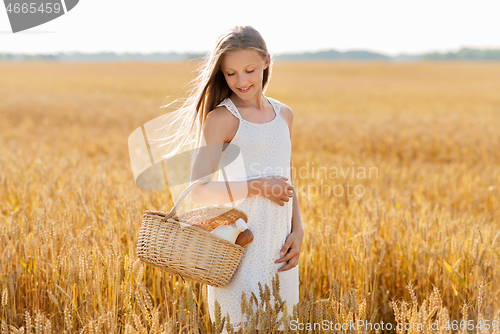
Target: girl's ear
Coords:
[[267, 62]]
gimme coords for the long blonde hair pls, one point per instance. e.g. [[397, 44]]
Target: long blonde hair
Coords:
[[210, 88]]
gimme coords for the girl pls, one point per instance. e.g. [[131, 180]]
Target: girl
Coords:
[[228, 102]]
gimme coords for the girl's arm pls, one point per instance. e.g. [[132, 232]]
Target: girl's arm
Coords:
[[220, 125], [287, 115], [296, 218], [290, 252]]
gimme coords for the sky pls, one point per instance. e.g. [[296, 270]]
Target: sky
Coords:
[[386, 26]]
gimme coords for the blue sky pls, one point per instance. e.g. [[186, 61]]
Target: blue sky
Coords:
[[387, 26]]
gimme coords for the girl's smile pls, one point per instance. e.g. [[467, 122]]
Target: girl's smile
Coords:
[[244, 90]]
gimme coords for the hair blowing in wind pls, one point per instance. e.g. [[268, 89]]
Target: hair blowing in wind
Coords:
[[207, 90]]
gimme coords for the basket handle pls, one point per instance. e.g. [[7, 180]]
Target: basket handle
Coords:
[[183, 195]]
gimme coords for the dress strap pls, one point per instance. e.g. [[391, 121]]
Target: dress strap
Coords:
[[276, 105], [229, 104], [231, 107]]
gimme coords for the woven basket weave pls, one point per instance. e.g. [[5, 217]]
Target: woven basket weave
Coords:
[[180, 244]]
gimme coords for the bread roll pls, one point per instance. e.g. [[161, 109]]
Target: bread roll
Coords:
[[245, 238]]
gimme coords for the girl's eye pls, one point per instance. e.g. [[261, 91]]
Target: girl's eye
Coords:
[[231, 74]]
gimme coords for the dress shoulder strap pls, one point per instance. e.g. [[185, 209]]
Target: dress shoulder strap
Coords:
[[276, 105], [228, 103], [231, 107]]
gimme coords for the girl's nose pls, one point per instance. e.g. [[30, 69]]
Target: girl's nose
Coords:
[[242, 79]]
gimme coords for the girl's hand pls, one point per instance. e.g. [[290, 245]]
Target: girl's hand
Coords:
[[276, 188], [291, 250]]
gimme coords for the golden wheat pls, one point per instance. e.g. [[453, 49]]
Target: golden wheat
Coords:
[[425, 229]]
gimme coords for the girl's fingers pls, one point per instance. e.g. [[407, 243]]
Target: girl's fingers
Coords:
[[285, 257], [290, 254], [288, 266], [285, 267]]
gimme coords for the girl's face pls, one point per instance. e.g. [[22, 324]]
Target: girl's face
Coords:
[[244, 70]]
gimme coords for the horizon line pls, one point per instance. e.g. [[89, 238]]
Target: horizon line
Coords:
[[451, 50]]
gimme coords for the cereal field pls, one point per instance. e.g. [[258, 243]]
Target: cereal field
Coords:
[[397, 167]]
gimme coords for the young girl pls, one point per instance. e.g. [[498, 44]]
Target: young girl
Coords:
[[231, 108]]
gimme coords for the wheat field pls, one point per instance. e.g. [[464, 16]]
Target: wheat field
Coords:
[[414, 241]]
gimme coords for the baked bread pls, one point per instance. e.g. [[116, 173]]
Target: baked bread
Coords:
[[208, 220], [245, 238]]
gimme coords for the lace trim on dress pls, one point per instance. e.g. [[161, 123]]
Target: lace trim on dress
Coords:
[[229, 104], [276, 104], [231, 107]]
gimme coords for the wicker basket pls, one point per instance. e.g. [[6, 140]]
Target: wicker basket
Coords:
[[177, 244]]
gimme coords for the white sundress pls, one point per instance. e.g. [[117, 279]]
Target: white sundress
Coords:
[[265, 150]]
